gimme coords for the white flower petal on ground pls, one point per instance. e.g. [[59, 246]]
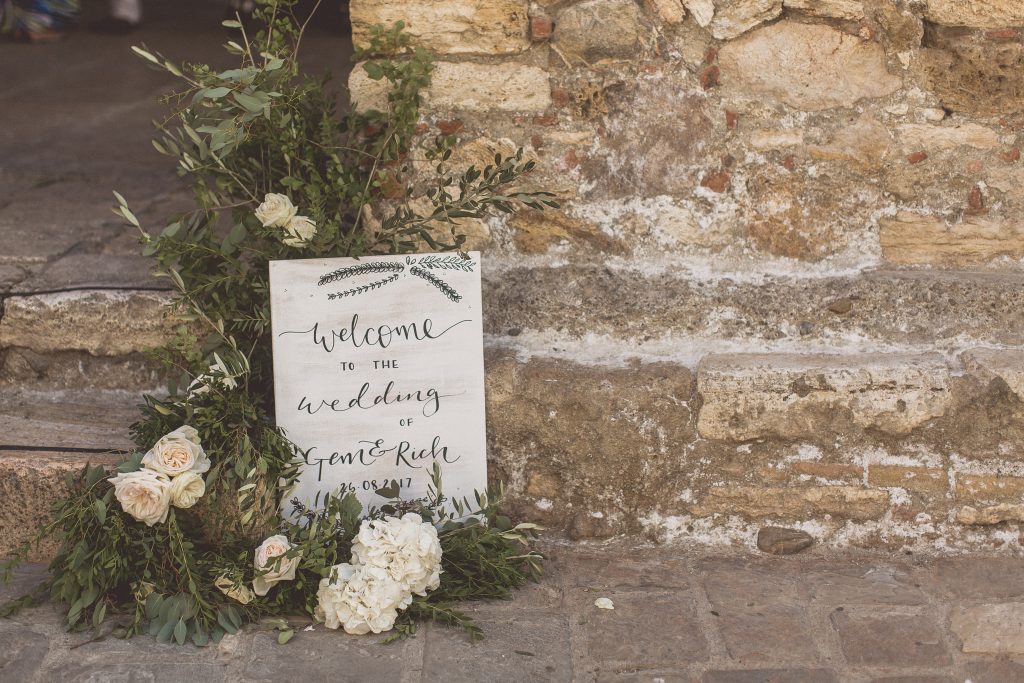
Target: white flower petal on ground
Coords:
[[604, 603]]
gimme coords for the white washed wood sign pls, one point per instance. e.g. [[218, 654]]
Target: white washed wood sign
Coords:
[[379, 372]]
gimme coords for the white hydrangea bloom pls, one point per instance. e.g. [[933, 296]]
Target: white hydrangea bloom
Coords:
[[360, 599], [407, 548]]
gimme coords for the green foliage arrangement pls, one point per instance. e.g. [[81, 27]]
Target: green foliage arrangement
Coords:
[[240, 136]]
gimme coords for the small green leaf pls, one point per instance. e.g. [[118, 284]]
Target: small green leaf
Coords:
[[284, 636], [180, 631]]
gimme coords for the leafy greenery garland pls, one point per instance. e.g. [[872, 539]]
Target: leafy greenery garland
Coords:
[[237, 135]]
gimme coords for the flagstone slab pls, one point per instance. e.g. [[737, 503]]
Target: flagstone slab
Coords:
[[875, 637]]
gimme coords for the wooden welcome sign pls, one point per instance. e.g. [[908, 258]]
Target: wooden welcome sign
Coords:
[[378, 372]]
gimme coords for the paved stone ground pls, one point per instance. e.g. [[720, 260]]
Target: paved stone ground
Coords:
[[680, 615], [76, 122]]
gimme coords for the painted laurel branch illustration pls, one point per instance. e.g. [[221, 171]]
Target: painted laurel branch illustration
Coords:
[[420, 267]]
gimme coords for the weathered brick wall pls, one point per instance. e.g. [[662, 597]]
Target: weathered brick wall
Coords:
[[786, 282]]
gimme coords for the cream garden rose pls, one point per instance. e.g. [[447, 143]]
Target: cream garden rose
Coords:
[[177, 452], [275, 211], [360, 599], [266, 559], [186, 489], [143, 494], [300, 231]]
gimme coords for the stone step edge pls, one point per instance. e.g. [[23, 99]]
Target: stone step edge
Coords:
[[524, 311]]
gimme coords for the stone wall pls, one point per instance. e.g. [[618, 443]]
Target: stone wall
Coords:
[[786, 282]]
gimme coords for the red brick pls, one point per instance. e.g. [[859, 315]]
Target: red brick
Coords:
[[536, 141], [572, 158], [975, 200], [450, 127], [1003, 35], [421, 128], [541, 27], [709, 76], [717, 181], [730, 119], [1010, 155], [546, 120], [789, 162], [973, 166], [917, 157], [711, 55], [560, 97]]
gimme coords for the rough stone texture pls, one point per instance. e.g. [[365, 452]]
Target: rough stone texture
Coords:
[[463, 27], [642, 410], [990, 629], [976, 13], [1006, 365], [809, 67], [601, 29], [972, 74], [850, 10], [736, 17], [457, 86], [912, 239], [930, 310], [100, 322], [751, 396]]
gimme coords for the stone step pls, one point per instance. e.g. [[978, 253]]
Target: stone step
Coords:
[[891, 450], [94, 337], [43, 436]]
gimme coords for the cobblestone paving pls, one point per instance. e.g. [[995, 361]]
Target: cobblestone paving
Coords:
[[680, 615]]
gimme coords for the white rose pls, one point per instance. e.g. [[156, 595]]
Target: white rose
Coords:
[[407, 548], [266, 559], [275, 211], [177, 452], [186, 489], [300, 231], [360, 599], [234, 591], [143, 494]]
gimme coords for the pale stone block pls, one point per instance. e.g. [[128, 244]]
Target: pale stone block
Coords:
[[914, 136], [993, 514], [911, 239], [750, 396], [976, 13], [993, 629], [850, 10], [735, 17], [601, 29], [809, 67], [776, 138], [702, 10], [451, 27], [791, 502], [102, 322], [465, 87]]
